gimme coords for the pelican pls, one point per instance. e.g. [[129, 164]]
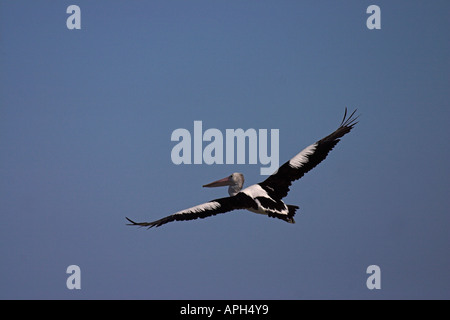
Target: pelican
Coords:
[[264, 197]]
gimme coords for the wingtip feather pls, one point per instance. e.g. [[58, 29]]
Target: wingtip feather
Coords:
[[349, 121]]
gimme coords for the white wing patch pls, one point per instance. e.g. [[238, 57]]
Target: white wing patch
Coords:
[[200, 208], [300, 159], [256, 191]]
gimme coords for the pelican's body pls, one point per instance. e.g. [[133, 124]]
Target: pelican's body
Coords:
[[257, 198], [265, 197]]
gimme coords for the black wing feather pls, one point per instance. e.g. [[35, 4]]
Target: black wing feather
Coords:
[[207, 209], [277, 185]]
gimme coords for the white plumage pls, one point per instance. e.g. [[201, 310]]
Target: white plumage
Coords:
[[302, 157]]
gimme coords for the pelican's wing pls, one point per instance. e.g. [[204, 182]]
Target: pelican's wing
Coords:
[[211, 208], [278, 183]]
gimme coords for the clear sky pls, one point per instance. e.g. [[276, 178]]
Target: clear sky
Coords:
[[86, 118]]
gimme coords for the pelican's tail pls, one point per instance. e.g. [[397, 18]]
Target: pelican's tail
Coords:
[[291, 213]]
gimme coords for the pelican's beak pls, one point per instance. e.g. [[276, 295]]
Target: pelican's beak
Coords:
[[219, 183]]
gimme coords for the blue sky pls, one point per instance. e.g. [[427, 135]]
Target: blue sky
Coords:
[[86, 118]]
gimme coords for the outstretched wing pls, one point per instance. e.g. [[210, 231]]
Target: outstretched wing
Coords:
[[278, 183], [211, 208]]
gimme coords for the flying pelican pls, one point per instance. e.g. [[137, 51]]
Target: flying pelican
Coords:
[[264, 197]]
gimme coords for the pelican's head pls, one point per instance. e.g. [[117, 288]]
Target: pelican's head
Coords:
[[235, 181]]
